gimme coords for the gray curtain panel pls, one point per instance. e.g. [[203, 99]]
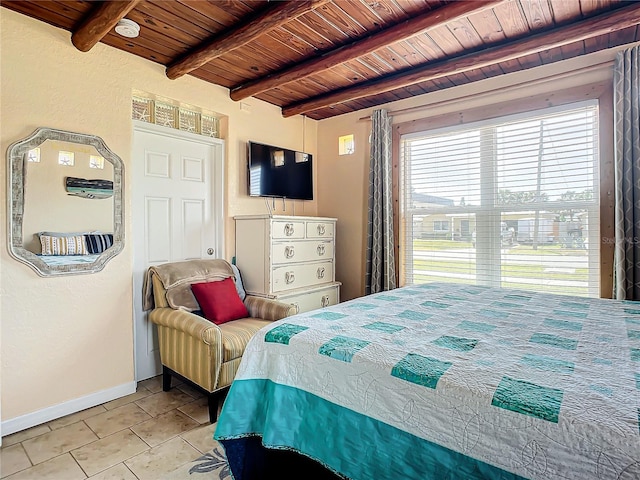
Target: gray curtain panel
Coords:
[[381, 271], [626, 80]]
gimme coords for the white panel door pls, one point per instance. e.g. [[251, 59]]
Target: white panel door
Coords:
[[177, 214]]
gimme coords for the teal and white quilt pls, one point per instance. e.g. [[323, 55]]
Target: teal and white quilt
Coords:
[[442, 381]]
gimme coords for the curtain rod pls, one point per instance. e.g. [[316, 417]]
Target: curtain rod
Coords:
[[491, 92]]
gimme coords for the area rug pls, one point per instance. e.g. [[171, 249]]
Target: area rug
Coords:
[[212, 466]]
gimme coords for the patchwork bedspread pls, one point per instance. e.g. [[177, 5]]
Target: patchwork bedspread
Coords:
[[448, 381]]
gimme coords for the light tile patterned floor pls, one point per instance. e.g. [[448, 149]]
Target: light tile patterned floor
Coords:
[[145, 435]]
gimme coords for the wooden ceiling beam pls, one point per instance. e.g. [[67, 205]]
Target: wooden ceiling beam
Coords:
[[397, 33], [100, 22], [278, 14], [613, 21]]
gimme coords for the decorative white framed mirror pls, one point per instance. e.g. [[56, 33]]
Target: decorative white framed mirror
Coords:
[[65, 211]]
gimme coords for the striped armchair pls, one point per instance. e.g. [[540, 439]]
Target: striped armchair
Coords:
[[192, 348]]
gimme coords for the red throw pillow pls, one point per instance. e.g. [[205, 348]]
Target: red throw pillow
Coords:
[[219, 301]]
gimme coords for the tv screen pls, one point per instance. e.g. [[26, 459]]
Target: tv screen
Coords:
[[279, 172]]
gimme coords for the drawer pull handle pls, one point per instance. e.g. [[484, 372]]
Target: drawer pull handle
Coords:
[[321, 229], [320, 272], [289, 252], [289, 278], [288, 229], [325, 301], [320, 249]]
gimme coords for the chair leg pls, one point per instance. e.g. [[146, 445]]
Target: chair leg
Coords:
[[166, 379], [213, 407]]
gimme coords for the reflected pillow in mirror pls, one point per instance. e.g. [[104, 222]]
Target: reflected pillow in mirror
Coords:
[[74, 245], [98, 243], [219, 301]]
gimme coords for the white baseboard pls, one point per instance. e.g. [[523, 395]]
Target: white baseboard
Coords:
[[29, 420]]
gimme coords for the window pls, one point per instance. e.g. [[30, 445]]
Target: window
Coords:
[[34, 155], [141, 109], [346, 145], [169, 115], [210, 126], [166, 115], [278, 158], [66, 158], [96, 161], [520, 199], [188, 120], [440, 226]]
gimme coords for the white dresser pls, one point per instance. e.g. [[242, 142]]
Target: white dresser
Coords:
[[289, 258]]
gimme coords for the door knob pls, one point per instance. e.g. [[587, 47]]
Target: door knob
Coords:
[[210, 251]]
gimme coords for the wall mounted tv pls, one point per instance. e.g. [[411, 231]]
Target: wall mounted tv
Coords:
[[279, 172]]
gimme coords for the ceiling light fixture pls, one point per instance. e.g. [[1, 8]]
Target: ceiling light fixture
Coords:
[[128, 28]]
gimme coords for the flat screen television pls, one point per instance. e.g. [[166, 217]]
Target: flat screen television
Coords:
[[279, 172]]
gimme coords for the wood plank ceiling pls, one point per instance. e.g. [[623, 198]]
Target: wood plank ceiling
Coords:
[[323, 58]]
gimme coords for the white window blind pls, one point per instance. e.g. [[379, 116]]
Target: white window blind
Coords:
[[509, 202]]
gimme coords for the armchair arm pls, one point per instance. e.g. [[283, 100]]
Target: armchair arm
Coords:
[[268, 309], [188, 323], [189, 345]]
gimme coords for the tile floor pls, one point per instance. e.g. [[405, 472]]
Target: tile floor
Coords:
[[145, 435]]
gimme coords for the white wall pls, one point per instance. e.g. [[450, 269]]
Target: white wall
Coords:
[[70, 337]]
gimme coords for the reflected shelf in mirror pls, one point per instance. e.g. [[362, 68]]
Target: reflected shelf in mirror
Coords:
[[65, 211]]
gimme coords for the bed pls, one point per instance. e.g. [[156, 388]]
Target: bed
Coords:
[[442, 381], [60, 260]]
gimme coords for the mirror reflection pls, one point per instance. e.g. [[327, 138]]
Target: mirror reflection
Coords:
[[66, 207], [61, 196]]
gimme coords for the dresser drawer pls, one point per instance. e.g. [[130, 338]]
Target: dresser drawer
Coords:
[[289, 277], [320, 230], [314, 299], [287, 229], [301, 251]]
